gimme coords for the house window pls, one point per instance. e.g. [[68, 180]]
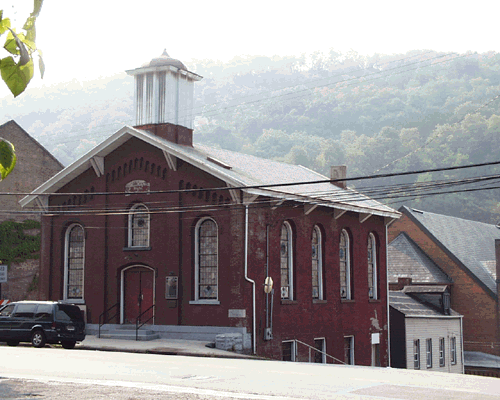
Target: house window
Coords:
[[416, 354], [429, 353], [372, 267], [349, 350], [286, 257], [138, 226], [74, 262], [320, 354], [453, 350], [288, 350], [441, 352], [317, 264], [345, 266], [207, 260]]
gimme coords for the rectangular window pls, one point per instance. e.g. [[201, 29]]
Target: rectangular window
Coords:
[[288, 350], [429, 353], [453, 350], [349, 350], [416, 354], [441, 352], [319, 355]]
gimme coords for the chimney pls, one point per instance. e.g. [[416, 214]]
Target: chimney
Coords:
[[163, 99], [338, 172]]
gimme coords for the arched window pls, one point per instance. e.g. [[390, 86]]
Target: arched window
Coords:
[[207, 260], [286, 257], [317, 264], [372, 267], [138, 226], [345, 266], [74, 262]]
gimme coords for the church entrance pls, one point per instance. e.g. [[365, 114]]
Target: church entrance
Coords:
[[137, 293]]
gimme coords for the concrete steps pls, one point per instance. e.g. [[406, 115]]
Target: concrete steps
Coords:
[[127, 332]]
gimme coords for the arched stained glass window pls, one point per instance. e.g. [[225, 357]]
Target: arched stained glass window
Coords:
[[74, 263], [345, 266], [207, 258], [372, 267], [286, 261], [317, 264], [138, 228]]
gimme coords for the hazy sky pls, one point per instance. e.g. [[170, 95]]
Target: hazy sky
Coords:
[[92, 38]]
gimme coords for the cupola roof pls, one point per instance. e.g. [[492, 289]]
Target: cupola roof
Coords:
[[165, 60]]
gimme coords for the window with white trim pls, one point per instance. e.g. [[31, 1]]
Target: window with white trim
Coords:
[[416, 354], [138, 226], [289, 350], [286, 261], [317, 264], [207, 260], [345, 266], [453, 350], [74, 262], [349, 350], [372, 267], [429, 353], [441, 352]]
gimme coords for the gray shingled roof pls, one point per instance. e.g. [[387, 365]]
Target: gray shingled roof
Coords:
[[407, 260], [411, 307], [236, 170], [471, 243]]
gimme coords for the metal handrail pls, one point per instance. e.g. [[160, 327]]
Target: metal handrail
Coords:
[[319, 351], [103, 316], [137, 326]]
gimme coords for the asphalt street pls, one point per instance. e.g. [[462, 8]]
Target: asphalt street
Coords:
[[80, 373]]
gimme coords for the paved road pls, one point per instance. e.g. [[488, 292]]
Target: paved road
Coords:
[[107, 374]]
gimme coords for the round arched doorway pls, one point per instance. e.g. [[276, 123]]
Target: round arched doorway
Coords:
[[137, 294]]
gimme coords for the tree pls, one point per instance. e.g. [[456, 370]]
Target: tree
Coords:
[[17, 70]]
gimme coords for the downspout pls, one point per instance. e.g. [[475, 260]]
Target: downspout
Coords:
[[462, 340], [254, 328], [387, 294]]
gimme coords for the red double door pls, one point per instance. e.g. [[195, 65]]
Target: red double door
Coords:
[[138, 295]]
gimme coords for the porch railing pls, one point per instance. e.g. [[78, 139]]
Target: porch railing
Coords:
[[319, 351], [103, 319], [138, 323]]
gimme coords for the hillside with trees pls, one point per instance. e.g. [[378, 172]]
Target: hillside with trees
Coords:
[[380, 114]]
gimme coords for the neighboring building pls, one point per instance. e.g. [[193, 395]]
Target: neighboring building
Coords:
[[423, 336], [149, 222], [34, 166], [464, 253]]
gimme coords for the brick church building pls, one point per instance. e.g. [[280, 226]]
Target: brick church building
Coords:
[[150, 223]]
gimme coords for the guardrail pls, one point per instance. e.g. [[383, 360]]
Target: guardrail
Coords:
[[319, 351], [103, 317], [138, 319]]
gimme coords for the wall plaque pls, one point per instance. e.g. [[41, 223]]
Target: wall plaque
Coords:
[[137, 186]]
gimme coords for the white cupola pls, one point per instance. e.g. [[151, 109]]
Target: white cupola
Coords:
[[163, 98]]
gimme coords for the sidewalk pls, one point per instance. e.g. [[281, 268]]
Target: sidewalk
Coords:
[[158, 346]]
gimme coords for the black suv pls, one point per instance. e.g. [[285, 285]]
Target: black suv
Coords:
[[41, 322]]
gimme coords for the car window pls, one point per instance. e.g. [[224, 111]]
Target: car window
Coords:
[[68, 313], [7, 310], [25, 310], [44, 312]]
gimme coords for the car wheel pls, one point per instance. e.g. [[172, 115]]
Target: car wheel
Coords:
[[12, 343], [68, 345], [38, 338]]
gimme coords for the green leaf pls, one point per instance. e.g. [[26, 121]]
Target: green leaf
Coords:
[[16, 76], [4, 25], [7, 158]]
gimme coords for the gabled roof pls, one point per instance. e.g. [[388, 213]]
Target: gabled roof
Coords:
[[411, 307], [407, 260], [470, 244], [235, 169]]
